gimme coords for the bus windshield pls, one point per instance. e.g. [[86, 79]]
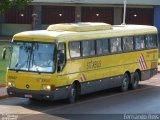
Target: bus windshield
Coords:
[[37, 57]]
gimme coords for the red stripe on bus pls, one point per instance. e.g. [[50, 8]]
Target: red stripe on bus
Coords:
[[144, 61], [140, 62]]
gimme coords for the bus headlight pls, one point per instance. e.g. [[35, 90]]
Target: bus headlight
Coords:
[[11, 84], [46, 87]]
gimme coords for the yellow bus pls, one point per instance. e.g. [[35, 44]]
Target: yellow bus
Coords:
[[72, 59]]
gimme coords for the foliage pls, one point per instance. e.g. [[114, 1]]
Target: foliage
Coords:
[[8, 4]]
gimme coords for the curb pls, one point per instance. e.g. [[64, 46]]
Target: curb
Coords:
[[4, 97]]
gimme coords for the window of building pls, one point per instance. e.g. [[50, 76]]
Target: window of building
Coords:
[[58, 14], [140, 16], [139, 42], [127, 43], [102, 46], [22, 16], [88, 48], [151, 41], [97, 14], [74, 49], [116, 45]]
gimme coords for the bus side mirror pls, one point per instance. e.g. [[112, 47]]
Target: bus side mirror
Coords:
[[61, 61]]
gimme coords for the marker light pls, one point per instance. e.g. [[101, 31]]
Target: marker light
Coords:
[[11, 84], [46, 87]]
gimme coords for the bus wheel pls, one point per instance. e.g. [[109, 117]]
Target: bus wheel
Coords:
[[125, 83], [72, 94], [135, 82]]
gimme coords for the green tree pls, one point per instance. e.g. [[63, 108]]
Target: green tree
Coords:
[[7, 4]]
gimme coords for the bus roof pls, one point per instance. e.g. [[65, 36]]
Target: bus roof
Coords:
[[83, 31], [80, 27]]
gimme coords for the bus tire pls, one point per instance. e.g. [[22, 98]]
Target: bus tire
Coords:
[[72, 93], [125, 83], [135, 81]]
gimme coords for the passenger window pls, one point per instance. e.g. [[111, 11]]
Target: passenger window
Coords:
[[61, 46], [151, 41], [61, 56], [88, 48], [102, 46], [116, 45], [74, 49], [127, 43], [139, 42]]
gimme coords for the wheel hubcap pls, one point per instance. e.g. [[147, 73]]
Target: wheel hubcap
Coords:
[[136, 81], [73, 92], [125, 82]]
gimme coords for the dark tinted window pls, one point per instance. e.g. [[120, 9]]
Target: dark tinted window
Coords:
[[74, 49], [139, 42], [151, 41], [116, 45], [102, 46], [88, 48], [127, 43]]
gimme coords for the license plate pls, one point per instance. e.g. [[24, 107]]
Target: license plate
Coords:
[[27, 96]]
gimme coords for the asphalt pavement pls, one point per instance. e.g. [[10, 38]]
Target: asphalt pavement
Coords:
[[108, 104]]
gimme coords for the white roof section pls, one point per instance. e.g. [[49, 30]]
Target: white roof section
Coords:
[[116, 2], [80, 27]]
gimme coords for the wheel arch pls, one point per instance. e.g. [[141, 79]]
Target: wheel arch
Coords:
[[139, 72], [78, 86], [129, 74]]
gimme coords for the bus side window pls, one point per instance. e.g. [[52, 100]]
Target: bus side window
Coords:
[[74, 48], [88, 48], [139, 42], [128, 43], [102, 46], [151, 41], [61, 56], [116, 45]]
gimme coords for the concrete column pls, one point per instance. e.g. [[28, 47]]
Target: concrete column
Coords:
[[37, 17], [2, 20], [157, 18], [117, 16], [78, 14]]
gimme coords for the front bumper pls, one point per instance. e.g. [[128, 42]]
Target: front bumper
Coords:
[[60, 93]]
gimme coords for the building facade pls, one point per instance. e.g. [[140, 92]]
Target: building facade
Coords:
[[42, 13]]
